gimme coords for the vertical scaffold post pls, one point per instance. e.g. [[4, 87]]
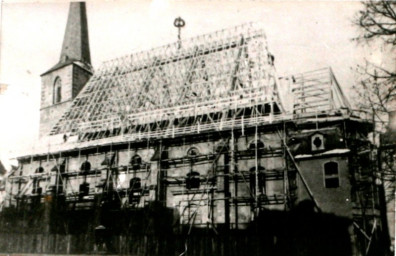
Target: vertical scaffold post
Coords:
[[256, 210]]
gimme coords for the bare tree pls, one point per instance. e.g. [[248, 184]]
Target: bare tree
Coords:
[[378, 21], [377, 91], [377, 86]]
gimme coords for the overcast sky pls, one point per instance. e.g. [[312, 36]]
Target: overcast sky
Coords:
[[302, 36]]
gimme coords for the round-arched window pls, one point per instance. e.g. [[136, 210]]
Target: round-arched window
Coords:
[[39, 170], [57, 91], [260, 145], [85, 166], [136, 162]]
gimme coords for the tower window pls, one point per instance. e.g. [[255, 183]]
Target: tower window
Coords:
[[57, 90], [331, 175]]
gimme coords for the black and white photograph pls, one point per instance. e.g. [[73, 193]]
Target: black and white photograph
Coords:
[[197, 128]]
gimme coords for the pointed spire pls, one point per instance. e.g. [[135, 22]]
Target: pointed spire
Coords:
[[75, 47], [75, 43]]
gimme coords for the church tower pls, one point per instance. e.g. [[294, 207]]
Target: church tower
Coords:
[[62, 83]]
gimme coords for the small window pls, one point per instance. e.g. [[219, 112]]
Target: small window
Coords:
[[192, 180], [57, 90], [86, 166], [317, 142], [192, 152], [331, 175], [260, 145], [136, 162], [83, 190], [39, 170], [135, 183], [135, 190]]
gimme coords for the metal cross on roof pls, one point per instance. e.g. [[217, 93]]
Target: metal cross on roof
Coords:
[[179, 23]]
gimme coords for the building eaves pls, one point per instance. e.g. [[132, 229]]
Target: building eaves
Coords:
[[62, 64], [339, 151]]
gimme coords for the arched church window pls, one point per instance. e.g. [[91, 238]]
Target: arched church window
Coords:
[[136, 162], [192, 180], [85, 166], [39, 170], [259, 143], [57, 90], [331, 175], [83, 190], [135, 183]]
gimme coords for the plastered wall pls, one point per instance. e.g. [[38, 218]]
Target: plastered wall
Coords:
[[330, 200]]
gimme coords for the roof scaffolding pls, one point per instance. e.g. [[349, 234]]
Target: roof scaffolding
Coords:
[[214, 82], [228, 69], [317, 91]]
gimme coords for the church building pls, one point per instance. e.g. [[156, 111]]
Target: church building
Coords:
[[193, 148]]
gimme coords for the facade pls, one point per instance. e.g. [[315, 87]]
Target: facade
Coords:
[[203, 143]]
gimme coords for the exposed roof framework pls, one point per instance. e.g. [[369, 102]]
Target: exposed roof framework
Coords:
[[211, 74], [215, 81], [317, 92]]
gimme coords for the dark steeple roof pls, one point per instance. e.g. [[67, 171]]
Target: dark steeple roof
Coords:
[[75, 47], [76, 43]]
